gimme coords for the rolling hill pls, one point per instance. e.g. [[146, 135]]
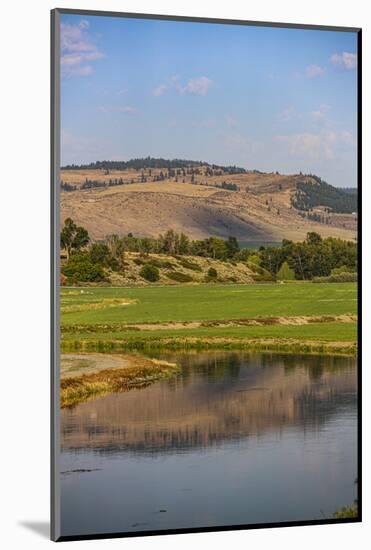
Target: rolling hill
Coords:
[[147, 197]]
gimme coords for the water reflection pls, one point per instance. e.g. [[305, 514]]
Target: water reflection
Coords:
[[216, 398], [236, 438]]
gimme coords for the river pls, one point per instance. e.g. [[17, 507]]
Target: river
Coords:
[[235, 438]]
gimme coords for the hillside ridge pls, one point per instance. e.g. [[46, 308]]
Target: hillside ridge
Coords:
[[206, 199]]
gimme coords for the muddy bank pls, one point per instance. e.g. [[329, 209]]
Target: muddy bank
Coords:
[[85, 375]]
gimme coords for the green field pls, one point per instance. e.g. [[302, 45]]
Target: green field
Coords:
[[206, 302], [109, 316]]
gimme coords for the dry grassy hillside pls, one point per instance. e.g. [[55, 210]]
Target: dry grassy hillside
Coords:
[[260, 210], [178, 269]]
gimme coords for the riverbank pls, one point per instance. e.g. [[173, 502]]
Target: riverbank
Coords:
[[285, 345], [88, 375]]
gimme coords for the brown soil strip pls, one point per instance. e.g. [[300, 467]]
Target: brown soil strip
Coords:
[[258, 321]]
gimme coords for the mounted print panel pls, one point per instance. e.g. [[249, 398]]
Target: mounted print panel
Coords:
[[205, 297]]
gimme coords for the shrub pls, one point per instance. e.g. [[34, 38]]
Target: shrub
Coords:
[[254, 260], [347, 512], [212, 273], [179, 277], [81, 268], [285, 273], [339, 278], [259, 273], [342, 269], [150, 273], [99, 254], [114, 264], [189, 265], [262, 278], [138, 261], [161, 264]]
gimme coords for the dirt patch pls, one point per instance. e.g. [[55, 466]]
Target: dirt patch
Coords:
[[124, 372], [76, 364], [102, 304], [254, 322]]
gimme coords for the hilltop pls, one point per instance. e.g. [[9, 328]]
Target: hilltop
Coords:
[[148, 196]]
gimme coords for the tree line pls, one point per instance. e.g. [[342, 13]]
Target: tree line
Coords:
[[314, 257], [309, 195], [176, 174], [150, 162]]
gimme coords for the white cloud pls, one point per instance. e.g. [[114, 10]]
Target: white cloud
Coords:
[[84, 24], [320, 114], [196, 86], [160, 90], [302, 145], [236, 141], [347, 137], [313, 71], [345, 60], [77, 49], [321, 145]]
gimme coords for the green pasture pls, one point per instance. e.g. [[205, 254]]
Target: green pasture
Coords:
[[206, 302]]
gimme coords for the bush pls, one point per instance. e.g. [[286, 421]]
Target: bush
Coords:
[[285, 273], [254, 260], [189, 265], [342, 269], [259, 273], [161, 264], [212, 273], [150, 273], [81, 268], [339, 278], [347, 512], [114, 264], [138, 261], [99, 254], [179, 277], [262, 278]]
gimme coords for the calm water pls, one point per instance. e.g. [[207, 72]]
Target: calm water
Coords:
[[236, 438]]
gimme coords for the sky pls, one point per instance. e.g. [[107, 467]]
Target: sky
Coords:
[[270, 99]]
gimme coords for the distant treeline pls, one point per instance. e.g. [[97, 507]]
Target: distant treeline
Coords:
[[178, 175], [350, 190], [314, 257], [309, 196], [150, 162]]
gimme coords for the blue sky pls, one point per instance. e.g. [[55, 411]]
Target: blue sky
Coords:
[[262, 98]]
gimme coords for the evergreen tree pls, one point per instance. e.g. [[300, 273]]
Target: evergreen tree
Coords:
[[285, 273]]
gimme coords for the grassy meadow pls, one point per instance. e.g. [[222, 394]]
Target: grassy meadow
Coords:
[[301, 315]]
